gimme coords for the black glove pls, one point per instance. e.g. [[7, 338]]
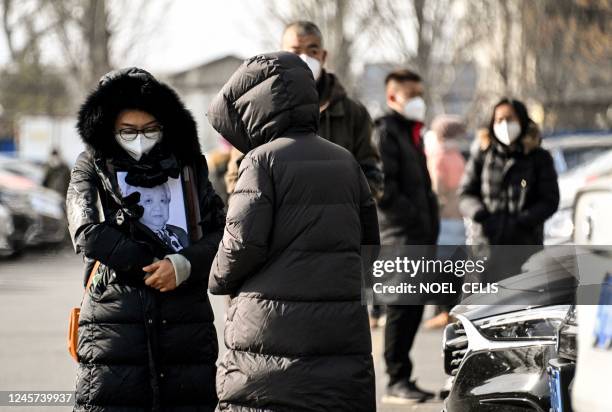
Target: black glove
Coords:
[[481, 215], [152, 170], [491, 227]]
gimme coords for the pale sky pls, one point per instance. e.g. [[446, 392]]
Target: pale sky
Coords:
[[192, 32], [195, 31]]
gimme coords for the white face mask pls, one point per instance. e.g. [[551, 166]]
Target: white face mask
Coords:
[[507, 132], [414, 109], [313, 64], [139, 146]]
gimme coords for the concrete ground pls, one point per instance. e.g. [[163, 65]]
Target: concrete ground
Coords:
[[37, 292]]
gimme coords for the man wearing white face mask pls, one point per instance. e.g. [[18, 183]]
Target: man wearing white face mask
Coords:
[[407, 215], [343, 121]]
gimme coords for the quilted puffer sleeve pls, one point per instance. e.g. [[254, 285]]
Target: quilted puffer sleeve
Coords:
[[90, 234], [244, 247]]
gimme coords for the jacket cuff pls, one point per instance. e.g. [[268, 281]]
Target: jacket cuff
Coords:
[[182, 267]]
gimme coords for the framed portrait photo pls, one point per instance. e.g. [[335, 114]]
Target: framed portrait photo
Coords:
[[165, 214]]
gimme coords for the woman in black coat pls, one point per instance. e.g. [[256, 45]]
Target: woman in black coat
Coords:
[[297, 333], [144, 344], [510, 185]]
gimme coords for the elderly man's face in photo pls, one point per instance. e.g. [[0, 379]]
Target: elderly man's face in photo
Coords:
[[156, 204]]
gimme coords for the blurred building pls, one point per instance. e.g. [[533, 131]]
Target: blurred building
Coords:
[[197, 87], [586, 109], [39, 135]]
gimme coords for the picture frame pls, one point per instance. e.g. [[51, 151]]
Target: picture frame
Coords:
[[166, 211]]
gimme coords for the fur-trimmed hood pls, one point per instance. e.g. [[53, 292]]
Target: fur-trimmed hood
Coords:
[[134, 88], [530, 141]]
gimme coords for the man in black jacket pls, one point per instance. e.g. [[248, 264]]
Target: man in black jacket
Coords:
[[342, 120], [408, 215]]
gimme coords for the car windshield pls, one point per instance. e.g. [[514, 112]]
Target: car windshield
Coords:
[[576, 156], [600, 166]]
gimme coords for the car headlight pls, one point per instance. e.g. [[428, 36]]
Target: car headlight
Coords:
[[531, 324], [560, 225]]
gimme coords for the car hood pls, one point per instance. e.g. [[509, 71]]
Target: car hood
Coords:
[[549, 278]]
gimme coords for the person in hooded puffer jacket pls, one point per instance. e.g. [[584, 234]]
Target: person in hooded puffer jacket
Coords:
[[297, 334], [143, 344], [510, 187]]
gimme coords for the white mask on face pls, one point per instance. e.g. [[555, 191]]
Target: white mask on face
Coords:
[[139, 146], [313, 64], [414, 109], [507, 132]]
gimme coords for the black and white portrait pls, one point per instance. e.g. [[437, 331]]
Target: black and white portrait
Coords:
[[164, 210]]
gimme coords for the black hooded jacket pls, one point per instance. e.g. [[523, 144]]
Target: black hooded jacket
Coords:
[[296, 330], [508, 193], [408, 211], [140, 349]]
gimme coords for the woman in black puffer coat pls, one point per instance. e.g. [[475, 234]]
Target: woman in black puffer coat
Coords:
[[510, 187], [296, 330], [143, 345]]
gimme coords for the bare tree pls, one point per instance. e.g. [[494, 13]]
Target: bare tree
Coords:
[[22, 20], [89, 30], [85, 31], [543, 52], [27, 84], [344, 24], [430, 24]]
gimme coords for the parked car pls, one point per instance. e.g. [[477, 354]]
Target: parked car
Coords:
[[498, 354], [8, 244], [561, 366], [574, 150], [33, 171], [583, 356], [559, 228], [37, 213], [577, 374], [551, 353]]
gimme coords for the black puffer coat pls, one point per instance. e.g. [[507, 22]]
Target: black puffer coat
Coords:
[[508, 193], [297, 333], [140, 349], [408, 210]]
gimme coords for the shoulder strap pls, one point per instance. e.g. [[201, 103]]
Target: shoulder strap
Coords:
[[91, 275], [190, 185]]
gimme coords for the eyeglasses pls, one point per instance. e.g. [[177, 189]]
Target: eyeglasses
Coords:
[[130, 134]]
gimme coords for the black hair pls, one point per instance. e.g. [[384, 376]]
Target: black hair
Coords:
[[305, 28], [519, 109], [136, 89], [402, 75]]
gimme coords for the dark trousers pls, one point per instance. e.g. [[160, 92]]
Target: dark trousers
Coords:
[[400, 330]]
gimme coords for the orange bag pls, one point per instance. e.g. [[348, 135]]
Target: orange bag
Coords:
[[73, 323]]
